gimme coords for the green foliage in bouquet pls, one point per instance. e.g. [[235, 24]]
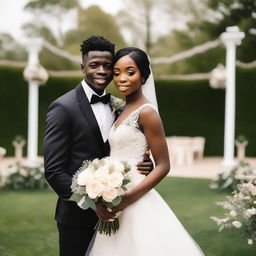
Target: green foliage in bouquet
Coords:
[[241, 207], [26, 177], [243, 172]]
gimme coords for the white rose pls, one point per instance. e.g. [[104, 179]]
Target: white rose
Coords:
[[120, 191], [102, 175], [233, 213], [250, 241], [253, 191], [248, 186], [109, 194], [253, 211], [250, 212], [94, 189], [95, 163], [84, 177], [115, 180], [118, 166], [237, 224]]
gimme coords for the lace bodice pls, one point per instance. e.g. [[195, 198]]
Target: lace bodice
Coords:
[[127, 141]]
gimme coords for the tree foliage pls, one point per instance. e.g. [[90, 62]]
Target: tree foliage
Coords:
[[241, 13], [10, 48], [218, 14], [38, 30], [50, 5], [93, 21], [137, 20], [56, 9]]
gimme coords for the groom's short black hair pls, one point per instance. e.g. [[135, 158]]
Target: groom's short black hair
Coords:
[[96, 43]]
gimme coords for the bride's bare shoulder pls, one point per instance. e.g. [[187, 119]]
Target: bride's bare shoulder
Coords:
[[149, 117]]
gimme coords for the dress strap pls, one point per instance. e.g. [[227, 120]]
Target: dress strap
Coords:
[[132, 119], [138, 110]]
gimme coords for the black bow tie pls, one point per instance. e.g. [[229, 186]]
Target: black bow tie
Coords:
[[104, 99]]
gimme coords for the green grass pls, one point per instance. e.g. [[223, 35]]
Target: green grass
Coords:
[[27, 227]]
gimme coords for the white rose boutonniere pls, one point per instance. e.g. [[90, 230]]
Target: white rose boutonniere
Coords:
[[116, 104]]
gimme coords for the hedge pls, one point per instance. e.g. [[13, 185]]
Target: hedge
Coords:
[[187, 108]]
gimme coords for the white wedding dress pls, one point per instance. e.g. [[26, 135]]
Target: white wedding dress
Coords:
[[148, 227]]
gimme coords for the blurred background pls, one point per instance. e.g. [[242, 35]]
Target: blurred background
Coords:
[[164, 28], [183, 40]]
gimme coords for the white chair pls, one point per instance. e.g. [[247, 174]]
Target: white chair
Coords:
[[184, 150], [181, 150], [198, 147]]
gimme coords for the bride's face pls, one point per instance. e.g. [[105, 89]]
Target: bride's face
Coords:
[[127, 76]]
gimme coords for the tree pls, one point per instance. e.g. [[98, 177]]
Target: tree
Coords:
[[11, 49], [179, 41], [93, 21], [56, 9], [138, 20], [198, 29], [241, 13], [38, 30]]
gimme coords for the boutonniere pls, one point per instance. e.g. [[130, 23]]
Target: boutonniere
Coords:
[[116, 104]]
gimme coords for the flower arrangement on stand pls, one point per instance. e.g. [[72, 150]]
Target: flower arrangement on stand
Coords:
[[102, 180], [241, 215], [25, 177], [228, 180]]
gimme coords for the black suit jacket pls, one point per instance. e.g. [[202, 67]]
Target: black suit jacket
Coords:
[[72, 136]]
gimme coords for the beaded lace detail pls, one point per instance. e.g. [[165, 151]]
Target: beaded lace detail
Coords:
[[128, 143], [132, 119]]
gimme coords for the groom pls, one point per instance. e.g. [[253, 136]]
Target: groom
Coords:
[[77, 127]]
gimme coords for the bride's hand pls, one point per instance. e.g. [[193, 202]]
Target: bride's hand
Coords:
[[126, 201], [103, 213]]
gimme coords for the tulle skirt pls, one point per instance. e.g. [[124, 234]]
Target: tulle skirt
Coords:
[[147, 228]]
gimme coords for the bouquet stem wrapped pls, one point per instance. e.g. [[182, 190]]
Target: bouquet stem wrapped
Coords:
[[108, 228]]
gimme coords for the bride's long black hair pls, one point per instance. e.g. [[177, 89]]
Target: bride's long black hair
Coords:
[[139, 57]]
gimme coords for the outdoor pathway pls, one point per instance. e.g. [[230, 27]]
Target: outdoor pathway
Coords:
[[207, 168]]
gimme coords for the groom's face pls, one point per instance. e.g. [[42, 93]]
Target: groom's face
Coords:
[[97, 69]]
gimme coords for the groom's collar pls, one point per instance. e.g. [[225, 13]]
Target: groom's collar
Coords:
[[89, 91]]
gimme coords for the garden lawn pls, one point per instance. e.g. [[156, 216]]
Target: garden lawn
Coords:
[[27, 226]]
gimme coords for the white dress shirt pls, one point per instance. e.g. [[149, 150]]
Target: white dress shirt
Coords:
[[102, 112]]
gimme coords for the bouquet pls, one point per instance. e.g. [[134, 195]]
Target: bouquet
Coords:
[[102, 180], [241, 214]]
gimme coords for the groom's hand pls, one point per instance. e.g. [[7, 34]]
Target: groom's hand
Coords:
[[146, 166], [103, 213]]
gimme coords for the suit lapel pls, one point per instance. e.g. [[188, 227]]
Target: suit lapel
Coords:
[[86, 109]]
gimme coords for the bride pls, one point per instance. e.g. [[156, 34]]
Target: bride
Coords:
[[148, 227]]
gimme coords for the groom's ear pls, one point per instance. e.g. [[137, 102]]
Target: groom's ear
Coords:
[[82, 66]]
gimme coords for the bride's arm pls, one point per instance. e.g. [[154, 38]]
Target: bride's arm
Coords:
[[152, 126]]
